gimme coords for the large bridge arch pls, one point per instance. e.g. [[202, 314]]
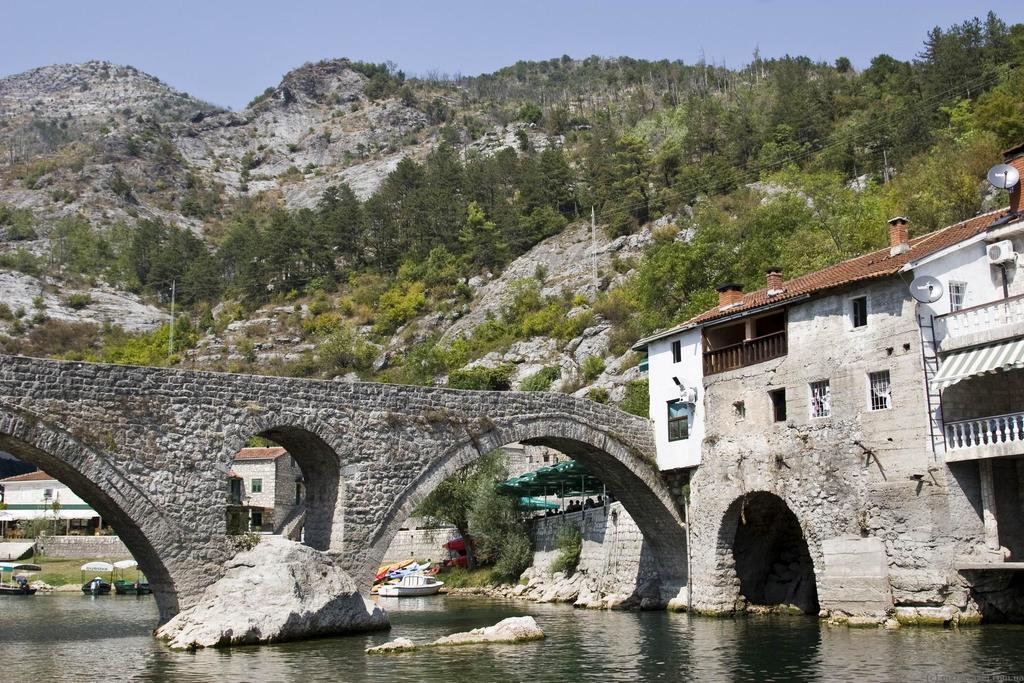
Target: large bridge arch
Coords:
[[636, 483], [766, 553], [315, 449], [91, 474]]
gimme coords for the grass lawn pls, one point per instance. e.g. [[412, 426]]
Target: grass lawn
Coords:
[[457, 577], [58, 571]]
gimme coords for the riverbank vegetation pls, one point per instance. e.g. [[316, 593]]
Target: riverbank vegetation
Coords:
[[493, 525]]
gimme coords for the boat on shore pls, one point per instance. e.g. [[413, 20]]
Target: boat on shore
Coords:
[[18, 585], [411, 585]]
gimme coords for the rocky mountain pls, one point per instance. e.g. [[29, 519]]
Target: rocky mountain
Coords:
[[113, 146]]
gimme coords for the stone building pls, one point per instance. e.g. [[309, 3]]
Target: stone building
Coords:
[[266, 488], [851, 444]]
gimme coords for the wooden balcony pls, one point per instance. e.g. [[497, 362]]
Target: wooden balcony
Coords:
[[747, 352]]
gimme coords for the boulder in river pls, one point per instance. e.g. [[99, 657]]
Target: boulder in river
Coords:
[[280, 590], [511, 630]]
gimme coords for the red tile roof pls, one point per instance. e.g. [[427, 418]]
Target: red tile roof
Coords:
[[267, 453], [38, 475], [867, 267]]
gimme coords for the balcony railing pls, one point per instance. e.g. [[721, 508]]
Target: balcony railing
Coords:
[[980, 318], [984, 431], [747, 352]]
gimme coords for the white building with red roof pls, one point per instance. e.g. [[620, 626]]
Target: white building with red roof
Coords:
[[853, 438], [266, 486]]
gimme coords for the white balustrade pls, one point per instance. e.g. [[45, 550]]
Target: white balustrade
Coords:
[[984, 431], [980, 318]]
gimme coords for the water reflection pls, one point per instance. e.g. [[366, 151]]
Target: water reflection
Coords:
[[74, 638]]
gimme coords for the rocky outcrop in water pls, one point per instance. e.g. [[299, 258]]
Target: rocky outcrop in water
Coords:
[[280, 590], [511, 630]]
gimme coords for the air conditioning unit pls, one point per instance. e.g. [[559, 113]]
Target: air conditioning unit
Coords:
[[1001, 252], [688, 395]]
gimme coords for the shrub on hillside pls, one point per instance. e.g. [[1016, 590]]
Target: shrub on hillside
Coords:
[[542, 379], [491, 379]]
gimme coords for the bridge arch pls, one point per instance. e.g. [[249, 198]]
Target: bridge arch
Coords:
[[314, 448], [93, 476], [764, 553], [635, 482]]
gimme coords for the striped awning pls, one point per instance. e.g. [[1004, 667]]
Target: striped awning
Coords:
[[985, 359]]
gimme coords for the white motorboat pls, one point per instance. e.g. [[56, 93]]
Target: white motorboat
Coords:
[[411, 585]]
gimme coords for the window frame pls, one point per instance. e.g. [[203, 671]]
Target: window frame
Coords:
[[683, 419], [677, 351], [957, 290], [853, 312], [819, 408], [777, 405], [253, 483], [871, 391]]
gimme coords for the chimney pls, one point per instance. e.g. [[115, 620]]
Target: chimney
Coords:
[[1015, 157], [899, 236], [774, 280], [729, 294]]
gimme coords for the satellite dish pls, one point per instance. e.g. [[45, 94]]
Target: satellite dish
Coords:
[[1003, 176], [926, 289]]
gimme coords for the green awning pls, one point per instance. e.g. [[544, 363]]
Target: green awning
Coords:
[[979, 361], [567, 479], [536, 504]]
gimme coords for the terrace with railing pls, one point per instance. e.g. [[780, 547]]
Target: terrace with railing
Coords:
[[986, 321], [985, 431]]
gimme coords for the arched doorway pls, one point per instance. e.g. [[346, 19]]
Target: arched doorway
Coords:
[[769, 552]]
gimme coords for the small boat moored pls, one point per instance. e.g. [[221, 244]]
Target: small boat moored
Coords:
[[411, 585], [97, 585], [18, 585], [123, 586]]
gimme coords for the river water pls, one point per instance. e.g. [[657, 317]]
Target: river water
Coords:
[[78, 638]]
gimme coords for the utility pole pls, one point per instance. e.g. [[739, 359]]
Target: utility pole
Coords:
[[885, 166], [593, 245], [170, 339]]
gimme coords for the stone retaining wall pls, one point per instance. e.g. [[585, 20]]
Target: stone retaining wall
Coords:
[[613, 548], [82, 546], [419, 544]]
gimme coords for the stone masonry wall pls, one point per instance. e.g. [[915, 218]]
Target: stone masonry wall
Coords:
[[103, 547], [150, 450], [988, 395], [420, 544], [612, 551], [857, 473]]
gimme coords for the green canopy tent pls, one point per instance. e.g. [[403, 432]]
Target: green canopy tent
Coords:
[[567, 479]]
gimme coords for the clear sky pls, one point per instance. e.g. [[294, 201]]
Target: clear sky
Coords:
[[228, 52]]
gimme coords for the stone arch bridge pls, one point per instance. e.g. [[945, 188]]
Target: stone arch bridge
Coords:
[[150, 450]]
